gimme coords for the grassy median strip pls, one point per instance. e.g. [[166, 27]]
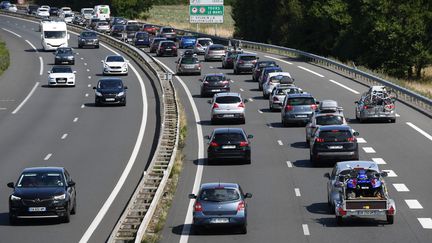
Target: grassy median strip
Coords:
[[157, 223], [4, 57]]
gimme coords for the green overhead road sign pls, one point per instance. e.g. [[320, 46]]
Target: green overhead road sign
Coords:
[[206, 10]]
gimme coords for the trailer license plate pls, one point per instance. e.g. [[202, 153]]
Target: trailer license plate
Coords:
[[366, 213], [37, 209], [219, 220]]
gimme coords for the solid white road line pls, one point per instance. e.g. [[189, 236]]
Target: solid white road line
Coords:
[[278, 59], [64, 136], [297, 192], [198, 176], [427, 135], [361, 140], [32, 46], [400, 187], [305, 229], [308, 70], [280, 142], [344, 86], [26, 98], [289, 164], [369, 150], [100, 215], [75, 119], [41, 66], [48, 156], [413, 204], [390, 173], [425, 222], [10, 31], [379, 161]]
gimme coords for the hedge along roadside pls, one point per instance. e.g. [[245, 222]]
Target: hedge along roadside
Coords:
[[4, 57]]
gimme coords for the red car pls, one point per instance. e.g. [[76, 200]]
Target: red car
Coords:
[[151, 29]]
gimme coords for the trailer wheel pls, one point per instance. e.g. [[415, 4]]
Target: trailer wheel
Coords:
[[339, 220], [390, 219]]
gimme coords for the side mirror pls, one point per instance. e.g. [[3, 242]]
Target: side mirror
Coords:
[[192, 196], [245, 100], [71, 183], [11, 185], [209, 101], [74, 72], [327, 175], [94, 87], [356, 133], [250, 136], [356, 102], [48, 72], [125, 87], [248, 195], [207, 137]]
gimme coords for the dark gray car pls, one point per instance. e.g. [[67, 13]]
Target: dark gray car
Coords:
[[88, 38], [298, 108], [245, 63], [64, 55]]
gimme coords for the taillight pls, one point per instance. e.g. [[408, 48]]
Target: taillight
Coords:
[[389, 107], [341, 211], [214, 144], [198, 207], [215, 105], [351, 139], [365, 107], [275, 98], [289, 108], [241, 206], [241, 105], [319, 140], [254, 61], [391, 211], [241, 62], [244, 144], [313, 106]]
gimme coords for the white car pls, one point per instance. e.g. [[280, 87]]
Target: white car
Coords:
[[12, 8], [115, 64], [65, 10], [67, 17], [274, 79], [42, 12], [46, 7], [201, 45], [61, 76]]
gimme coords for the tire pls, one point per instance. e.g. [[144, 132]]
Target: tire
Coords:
[[339, 220], [390, 219], [248, 161], [66, 218], [79, 46], [13, 220], [124, 103], [243, 121], [393, 120], [313, 159], [72, 63], [213, 122], [97, 103], [307, 143], [243, 229], [196, 230], [210, 161], [73, 211], [284, 123], [97, 47]]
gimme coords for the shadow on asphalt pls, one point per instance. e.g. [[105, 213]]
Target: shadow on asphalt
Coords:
[[225, 162], [300, 145], [33, 50], [351, 222], [178, 230], [319, 208]]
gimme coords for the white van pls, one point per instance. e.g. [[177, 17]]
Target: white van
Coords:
[[102, 11], [87, 13], [54, 35]]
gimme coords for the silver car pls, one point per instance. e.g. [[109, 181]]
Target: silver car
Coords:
[[214, 52], [245, 63], [188, 65], [274, 79], [103, 27], [298, 108], [323, 119], [201, 45], [220, 205], [278, 95], [227, 106]]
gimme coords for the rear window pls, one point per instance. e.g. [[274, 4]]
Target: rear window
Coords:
[[215, 78], [219, 195], [142, 35], [224, 137], [132, 27], [228, 100], [167, 44], [301, 101], [217, 48], [266, 64], [189, 60], [329, 120], [335, 135], [205, 42], [167, 30], [248, 58], [286, 91], [281, 79]]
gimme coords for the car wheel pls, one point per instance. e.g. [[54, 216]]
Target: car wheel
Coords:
[[313, 160], [284, 123], [390, 219], [339, 220], [307, 143], [196, 230], [73, 211], [248, 161], [97, 47], [235, 71], [13, 220], [79, 46], [393, 120], [243, 229], [357, 117], [73, 63], [124, 103], [210, 160], [213, 122], [97, 103], [66, 218]]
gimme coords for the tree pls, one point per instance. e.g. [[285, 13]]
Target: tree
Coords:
[[131, 8]]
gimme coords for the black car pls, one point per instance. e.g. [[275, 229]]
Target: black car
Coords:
[[42, 192], [118, 21], [259, 66], [64, 55], [78, 20], [334, 142], [229, 143], [54, 11], [88, 38], [214, 83], [32, 8], [131, 30], [117, 31], [155, 44], [110, 91], [166, 48]]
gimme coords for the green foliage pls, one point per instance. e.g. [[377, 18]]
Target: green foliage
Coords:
[[131, 8], [4, 57]]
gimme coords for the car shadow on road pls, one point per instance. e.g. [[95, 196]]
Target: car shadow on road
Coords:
[[178, 230], [254, 90], [33, 50], [222, 162], [300, 145], [319, 208], [4, 221], [353, 221], [259, 98]]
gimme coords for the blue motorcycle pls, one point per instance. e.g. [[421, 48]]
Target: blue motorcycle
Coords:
[[364, 184]]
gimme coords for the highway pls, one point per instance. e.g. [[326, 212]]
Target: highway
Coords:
[[102, 147]]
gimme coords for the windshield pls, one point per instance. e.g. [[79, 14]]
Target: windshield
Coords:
[[61, 70], [88, 34], [167, 30], [54, 34], [329, 120], [219, 195], [132, 27], [114, 59], [301, 101], [205, 42], [217, 48], [68, 15], [142, 35], [215, 78], [88, 11], [102, 24], [189, 61], [64, 51], [111, 84], [248, 58], [228, 100], [41, 180], [118, 27], [281, 79]]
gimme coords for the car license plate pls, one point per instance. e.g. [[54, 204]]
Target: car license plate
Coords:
[[215, 90], [109, 99], [219, 221], [168, 49], [228, 147], [335, 147], [189, 66], [228, 115], [301, 116], [37, 209], [61, 80], [140, 40]]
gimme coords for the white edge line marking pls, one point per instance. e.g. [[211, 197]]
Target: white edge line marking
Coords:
[[390, 173], [400, 187], [34, 47], [413, 204], [308, 70], [277, 59], [427, 135], [289, 164], [379, 161], [64, 136], [198, 176], [369, 150], [305, 229], [10, 31], [297, 192], [41, 66], [48, 156], [280, 142], [425, 222], [96, 221], [26, 98], [344, 86]]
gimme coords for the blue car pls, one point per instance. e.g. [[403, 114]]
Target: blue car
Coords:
[[187, 42], [141, 39]]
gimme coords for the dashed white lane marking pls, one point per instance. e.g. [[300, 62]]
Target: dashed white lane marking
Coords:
[[85, 64], [280, 142], [413, 204], [88, 70], [89, 85], [269, 125], [305, 229], [26, 98], [241, 89], [77, 53], [369, 150], [361, 140], [89, 77], [425, 222], [379, 161], [289, 164], [344, 86], [64, 136], [48, 156], [278, 59], [82, 58], [390, 173], [41, 66], [10, 31], [3, 109], [82, 106], [75, 119], [232, 81], [297, 192], [86, 95], [397, 115], [260, 111], [308, 70], [400, 187], [251, 100], [34, 47], [427, 135]]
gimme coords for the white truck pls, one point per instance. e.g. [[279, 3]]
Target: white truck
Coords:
[[102, 12], [54, 35]]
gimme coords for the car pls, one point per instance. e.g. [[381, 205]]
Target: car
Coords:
[[187, 42], [245, 62], [88, 38], [377, 103], [334, 142], [115, 64], [42, 12], [323, 119], [43, 20], [67, 17], [4, 4], [149, 28], [54, 11], [78, 20], [214, 52], [259, 66], [118, 31], [61, 76], [227, 106], [298, 108], [274, 79], [166, 48], [12, 8], [110, 91], [229, 57], [167, 32], [118, 21], [102, 26], [141, 39], [87, 13], [32, 8], [264, 74], [278, 94], [130, 31], [46, 7], [220, 204], [42, 192], [93, 21], [188, 65], [65, 10], [201, 45], [155, 43], [213, 83], [64, 55]]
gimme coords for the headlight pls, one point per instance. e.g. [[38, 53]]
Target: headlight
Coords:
[[125, 65], [120, 94], [60, 197], [57, 57], [98, 93], [70, 58], [15, 198], [71, 78]]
